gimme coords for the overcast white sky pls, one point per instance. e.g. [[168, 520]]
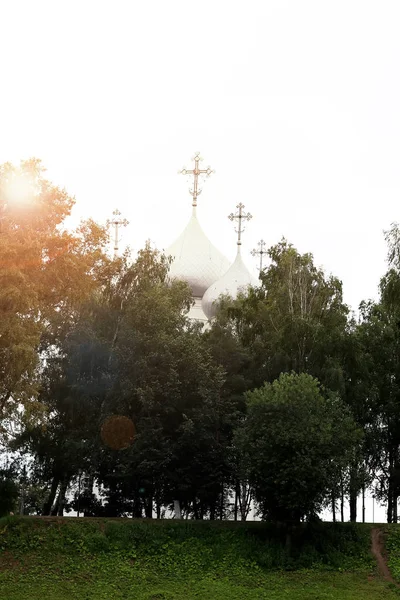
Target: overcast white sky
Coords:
[[295, 104]]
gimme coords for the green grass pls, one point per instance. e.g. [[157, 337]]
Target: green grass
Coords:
[[392, 545], [118, 579], [127, 560]]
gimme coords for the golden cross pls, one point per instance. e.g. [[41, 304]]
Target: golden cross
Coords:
[[240, 216], [261, 251], [196, 191], [116, 222]]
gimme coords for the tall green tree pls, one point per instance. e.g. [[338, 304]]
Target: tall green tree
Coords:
[[44, 271], [134, 354], [296, 439], [295, 320], [167, 383], [379, 333]]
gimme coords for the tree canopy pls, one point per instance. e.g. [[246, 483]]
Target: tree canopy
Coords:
[[45, 273], [295, 439], [113, 402]]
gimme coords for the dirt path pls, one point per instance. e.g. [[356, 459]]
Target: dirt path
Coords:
[[378, 551]]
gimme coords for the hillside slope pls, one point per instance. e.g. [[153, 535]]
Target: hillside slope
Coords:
[[123, 559]]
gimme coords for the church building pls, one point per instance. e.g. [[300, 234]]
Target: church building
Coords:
[[198, 262]]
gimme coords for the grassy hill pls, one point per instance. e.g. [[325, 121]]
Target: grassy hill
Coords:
[[122, 559]]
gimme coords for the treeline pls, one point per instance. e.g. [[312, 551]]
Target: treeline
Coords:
[[113, 403]]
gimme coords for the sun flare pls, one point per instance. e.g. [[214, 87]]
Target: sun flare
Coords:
[[19, 191]]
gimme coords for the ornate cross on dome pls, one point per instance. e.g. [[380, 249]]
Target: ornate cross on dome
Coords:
[[240, 216], [116, 222], [196, 191], [261, 251]]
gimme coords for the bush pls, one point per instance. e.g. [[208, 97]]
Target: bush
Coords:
[[8, 493]]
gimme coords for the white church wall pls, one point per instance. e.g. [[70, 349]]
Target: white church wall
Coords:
[[196, 312]]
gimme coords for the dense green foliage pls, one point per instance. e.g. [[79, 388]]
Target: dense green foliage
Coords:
[[296, 443], [132, 353], [45, 272], [8, 492], [171, 560], [174, 545], [114, 403], [294, 321], [380, 333], [392, 546]]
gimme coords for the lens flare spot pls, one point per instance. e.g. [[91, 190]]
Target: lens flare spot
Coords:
[[118, 432]]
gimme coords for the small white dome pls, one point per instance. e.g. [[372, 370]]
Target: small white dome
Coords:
[[236, 279], [195, 258]]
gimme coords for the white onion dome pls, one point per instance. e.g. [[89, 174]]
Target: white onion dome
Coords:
[[237, 279], [195, 259]]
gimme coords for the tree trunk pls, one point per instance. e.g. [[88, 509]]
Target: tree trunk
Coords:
[[363, 503], [341, 501], [353, 506], [61, 497], [333, 506], [396, 473], [390, 490], [177, 509], [395, 500], [213, 509], [221, 506], [88, 485], [137, 512], [236, 502], [353, 492], [149, 508], [244, 500], [390, 503], [23, 486], [49, 502], [195, 510], [54, 508], [22, 500]]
